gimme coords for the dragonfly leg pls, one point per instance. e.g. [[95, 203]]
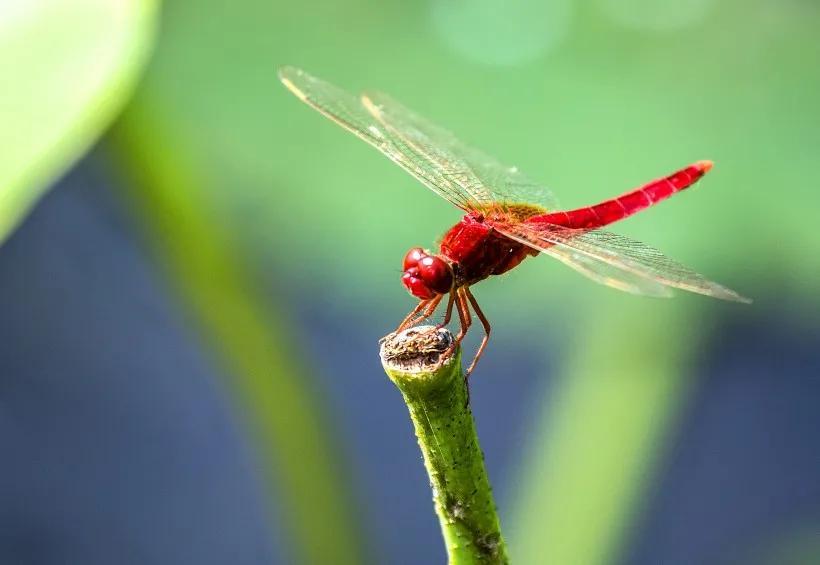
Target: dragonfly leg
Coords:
[[407, 319], [485, 323], [466, 321], [448, 313], [429, 307], [455, 299], [464, 315], [430, 310]]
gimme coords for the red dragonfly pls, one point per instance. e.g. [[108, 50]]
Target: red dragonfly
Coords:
[[507, 217]]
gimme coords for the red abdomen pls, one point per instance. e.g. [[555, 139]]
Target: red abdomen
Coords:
[[609, 211]]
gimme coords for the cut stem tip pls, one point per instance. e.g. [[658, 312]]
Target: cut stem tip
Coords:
[[417, 349]]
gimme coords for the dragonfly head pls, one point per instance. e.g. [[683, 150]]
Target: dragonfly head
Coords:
[[426, 276]]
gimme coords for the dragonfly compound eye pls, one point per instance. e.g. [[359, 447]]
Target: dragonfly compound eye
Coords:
[[416, 285], [436, 273], [413, 257]]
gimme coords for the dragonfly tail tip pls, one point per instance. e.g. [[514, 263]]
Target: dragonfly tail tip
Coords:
[[704, 166]]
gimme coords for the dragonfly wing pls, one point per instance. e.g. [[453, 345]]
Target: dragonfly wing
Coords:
[[430, 148], [490, 181], [347, 111], [620, 253], [607, 274]]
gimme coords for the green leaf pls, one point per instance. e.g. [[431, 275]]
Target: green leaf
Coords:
[[249, 336], [67, 67]]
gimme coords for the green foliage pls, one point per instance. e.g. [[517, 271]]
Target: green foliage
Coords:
[[592, 99], [67, 66], [598, 440], [271, 386], [600, 110]]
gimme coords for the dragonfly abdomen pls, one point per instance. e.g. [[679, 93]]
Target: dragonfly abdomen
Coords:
[[609, 211]]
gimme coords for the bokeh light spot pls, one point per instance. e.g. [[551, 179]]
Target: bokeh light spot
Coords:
[[501, 33]]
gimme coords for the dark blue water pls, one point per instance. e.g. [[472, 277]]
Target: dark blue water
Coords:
[[118, 445]]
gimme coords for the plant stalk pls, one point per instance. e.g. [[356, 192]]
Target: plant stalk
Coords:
[[287, 419], [432, 383]]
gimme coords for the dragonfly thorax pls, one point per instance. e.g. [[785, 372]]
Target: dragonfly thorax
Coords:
[[425, 275]]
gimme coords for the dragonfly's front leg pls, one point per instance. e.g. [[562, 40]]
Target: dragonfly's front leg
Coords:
[[406, 322], [429, 307]]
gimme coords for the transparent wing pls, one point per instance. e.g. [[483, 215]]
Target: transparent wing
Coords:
[[607, 274], [348, 111], [479, 174], [435, 155], [607, 253]]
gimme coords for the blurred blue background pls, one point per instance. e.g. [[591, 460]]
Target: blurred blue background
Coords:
[[188, 362]]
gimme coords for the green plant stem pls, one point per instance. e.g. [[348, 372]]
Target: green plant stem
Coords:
[[433, 388]]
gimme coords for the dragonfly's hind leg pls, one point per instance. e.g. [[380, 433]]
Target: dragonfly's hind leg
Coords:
[[487, 328], [466, 321]]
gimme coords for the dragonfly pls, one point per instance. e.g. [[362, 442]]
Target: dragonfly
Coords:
[[507, 216]]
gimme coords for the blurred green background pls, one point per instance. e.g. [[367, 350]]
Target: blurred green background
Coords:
[[616, 429]]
